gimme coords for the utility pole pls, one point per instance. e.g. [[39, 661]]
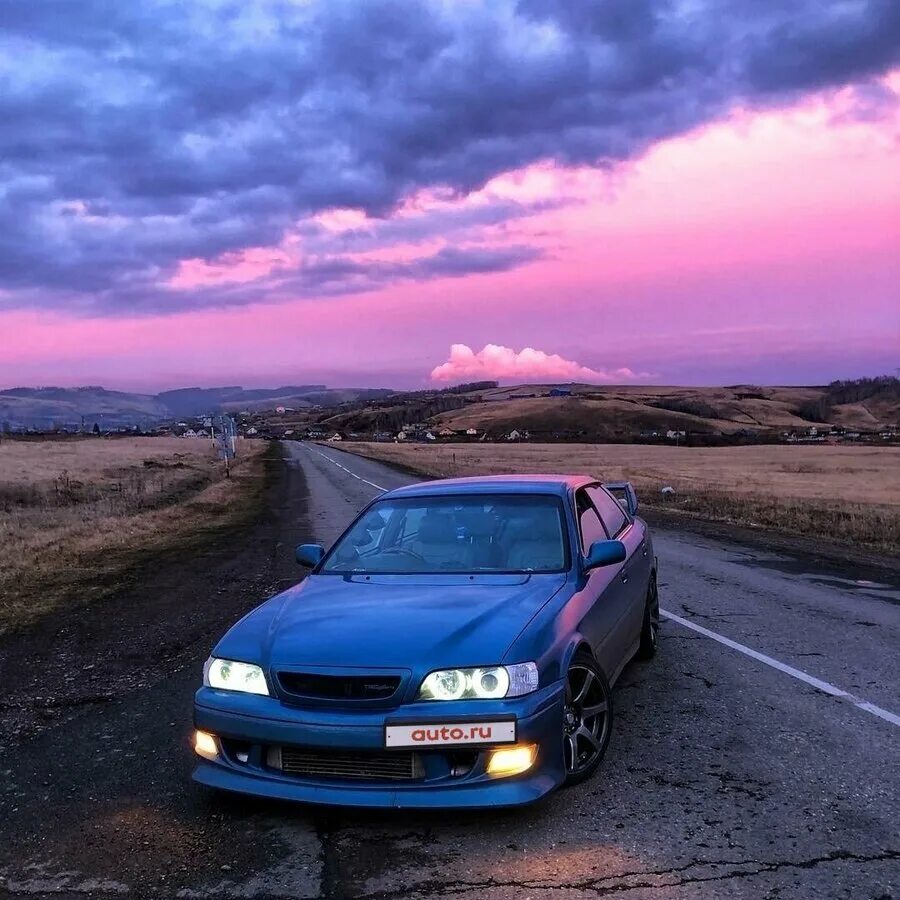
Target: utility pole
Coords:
[[225, 442]]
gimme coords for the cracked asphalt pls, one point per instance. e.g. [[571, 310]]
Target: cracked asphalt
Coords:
[[725, 777]]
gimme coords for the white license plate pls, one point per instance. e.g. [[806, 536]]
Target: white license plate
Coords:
[[450, 734]]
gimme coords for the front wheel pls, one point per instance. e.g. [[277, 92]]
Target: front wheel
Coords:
[[587, 718], [650, 626]]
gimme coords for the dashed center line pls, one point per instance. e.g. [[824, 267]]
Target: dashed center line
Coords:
[[824, 686], [377, 487]]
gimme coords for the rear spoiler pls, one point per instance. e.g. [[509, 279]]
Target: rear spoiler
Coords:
[[624, 492]]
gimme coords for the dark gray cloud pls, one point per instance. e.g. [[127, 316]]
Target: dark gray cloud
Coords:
[[318, 275], [340, 274], [134, 135]]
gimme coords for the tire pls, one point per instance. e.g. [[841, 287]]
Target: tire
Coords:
[[650, 626], [585, 737]]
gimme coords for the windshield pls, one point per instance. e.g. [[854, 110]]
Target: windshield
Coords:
[[454, 535]]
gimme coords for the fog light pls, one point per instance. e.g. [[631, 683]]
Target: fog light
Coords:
[[512, 760], [205, 745]]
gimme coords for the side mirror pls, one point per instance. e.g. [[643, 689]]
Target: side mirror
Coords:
[[309, 555], [604, 553]]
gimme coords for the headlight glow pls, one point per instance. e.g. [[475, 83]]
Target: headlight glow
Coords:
[[205, 745], [511, 760], [450, 685], [230, 675], [485, 683], [490, 683]]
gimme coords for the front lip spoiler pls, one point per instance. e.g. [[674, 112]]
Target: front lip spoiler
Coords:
[[500, 793]]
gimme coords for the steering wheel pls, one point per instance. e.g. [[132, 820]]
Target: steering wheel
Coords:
[[403, 551]]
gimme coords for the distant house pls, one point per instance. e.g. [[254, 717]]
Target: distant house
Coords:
[[334, 438], [280, 410], [252, 430], [674, 435], [190, 433], [560, 392], [472, 432], [514, 435]]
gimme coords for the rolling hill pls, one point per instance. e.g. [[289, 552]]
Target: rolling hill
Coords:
[[621, 413], [41, 407]]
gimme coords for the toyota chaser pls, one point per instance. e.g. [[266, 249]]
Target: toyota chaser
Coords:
[[456, 647]]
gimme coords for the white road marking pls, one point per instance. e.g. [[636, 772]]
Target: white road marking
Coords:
[[377, 487], [811, 680], [817, 683]]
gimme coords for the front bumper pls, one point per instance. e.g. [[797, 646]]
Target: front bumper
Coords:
[[256, 724]]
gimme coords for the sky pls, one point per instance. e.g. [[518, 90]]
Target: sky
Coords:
[[415, 193]]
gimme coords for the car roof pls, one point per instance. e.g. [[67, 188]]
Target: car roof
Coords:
[[494, 484]]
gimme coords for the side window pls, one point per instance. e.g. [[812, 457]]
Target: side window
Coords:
[[610, 510], [589, 523]]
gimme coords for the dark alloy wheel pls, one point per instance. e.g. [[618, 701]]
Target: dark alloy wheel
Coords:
[[587, 718], [650, 626]]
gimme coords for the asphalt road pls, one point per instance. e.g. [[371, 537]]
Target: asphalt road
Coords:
[[757, 757]]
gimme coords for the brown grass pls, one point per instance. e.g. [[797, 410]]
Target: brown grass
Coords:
[[77, 515], [838, 492]]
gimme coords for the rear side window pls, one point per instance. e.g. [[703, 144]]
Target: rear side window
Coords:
[[589, 523], [610, 510]]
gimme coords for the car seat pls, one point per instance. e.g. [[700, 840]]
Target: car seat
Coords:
[[535, 544], [438, 543]]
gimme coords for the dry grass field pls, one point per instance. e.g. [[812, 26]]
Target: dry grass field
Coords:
[[836, 492], [77, 514]]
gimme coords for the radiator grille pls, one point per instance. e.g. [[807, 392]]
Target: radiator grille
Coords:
[[357, 765], [339, 687]]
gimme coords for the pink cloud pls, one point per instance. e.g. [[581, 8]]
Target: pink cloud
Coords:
[[239, 267], [495, 362]]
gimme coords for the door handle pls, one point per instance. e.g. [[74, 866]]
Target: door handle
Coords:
[[624, 578], [644, 552]]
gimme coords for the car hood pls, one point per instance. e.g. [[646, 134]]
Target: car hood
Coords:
[[398, 621]]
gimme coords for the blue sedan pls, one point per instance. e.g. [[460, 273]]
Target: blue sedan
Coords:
[[456, 647]]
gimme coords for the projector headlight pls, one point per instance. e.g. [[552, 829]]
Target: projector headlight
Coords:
[[229, 675], [485, 683]]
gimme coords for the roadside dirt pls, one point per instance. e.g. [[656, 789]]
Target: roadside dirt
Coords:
[[168, 605]]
